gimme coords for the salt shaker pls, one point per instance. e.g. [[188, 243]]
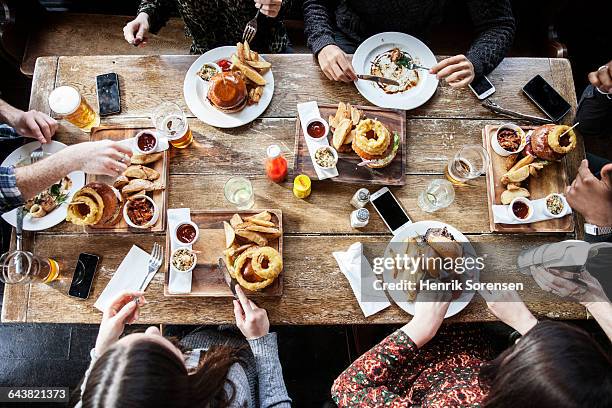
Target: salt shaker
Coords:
[[361, 198], [360, 218]]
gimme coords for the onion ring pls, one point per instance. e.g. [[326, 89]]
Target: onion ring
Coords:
[[555, 143], [239, 264], [273, 258]]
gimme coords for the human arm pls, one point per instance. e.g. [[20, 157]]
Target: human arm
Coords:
[[592, 197], [32, 124], [254, 324], [269, 8], [152, 16], [508, 307], [602, 78]]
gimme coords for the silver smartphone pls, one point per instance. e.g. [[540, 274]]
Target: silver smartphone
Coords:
[[482, 87], [390, 210]]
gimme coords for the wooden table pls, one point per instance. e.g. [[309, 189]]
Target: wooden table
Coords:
[[315, 290]]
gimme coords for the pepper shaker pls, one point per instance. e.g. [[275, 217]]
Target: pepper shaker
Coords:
[[361, 198]]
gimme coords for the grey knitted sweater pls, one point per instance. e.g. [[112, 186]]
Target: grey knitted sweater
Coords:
[[357, 20]]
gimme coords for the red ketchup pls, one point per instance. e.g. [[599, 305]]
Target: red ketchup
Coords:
[[224, 64], [146, 142], [316, 129], [276, 164], [520, 209], [186, 233]]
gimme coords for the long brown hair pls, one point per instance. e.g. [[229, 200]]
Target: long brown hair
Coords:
[[553, 365], [147, 374]]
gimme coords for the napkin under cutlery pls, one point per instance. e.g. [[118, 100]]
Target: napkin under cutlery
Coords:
[[307, 111], [355, 266], [128, 276], [501, 216], [179, 282]]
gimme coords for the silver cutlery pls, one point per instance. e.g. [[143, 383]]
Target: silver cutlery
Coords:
[[231, 282], [379, 79], [412, 65], [37, 154], [489, 104], [19, 236], [251, 29], [155, 261]]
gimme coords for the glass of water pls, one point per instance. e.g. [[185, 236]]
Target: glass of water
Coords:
[[438, 194], [239, 191], [467, 164]]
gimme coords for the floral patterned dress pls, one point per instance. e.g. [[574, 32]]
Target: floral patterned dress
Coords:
[[395, 373]]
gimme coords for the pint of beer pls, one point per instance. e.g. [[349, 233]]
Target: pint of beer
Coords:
[[68, 102], [170, 120]]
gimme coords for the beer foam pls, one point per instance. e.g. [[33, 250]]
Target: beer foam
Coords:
[[64, 100]]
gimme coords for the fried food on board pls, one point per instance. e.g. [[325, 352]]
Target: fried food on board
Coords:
[[141, 172], [95, 204], [371, 139], [146, 158]]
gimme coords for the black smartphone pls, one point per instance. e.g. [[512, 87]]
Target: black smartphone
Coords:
[[83, 275], [546, 98], [107, 87]]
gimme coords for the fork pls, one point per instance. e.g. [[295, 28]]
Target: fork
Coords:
[[155, 261], [251, 29], [37, 154], [411, 65]]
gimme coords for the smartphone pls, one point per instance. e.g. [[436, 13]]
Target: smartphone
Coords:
[[107, 87], [390, 210], [482, 87], [546, 98], [83, 275]]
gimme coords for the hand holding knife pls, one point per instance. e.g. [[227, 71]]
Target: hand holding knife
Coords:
[[380, 80]]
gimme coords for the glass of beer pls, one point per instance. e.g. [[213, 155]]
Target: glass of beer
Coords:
[[171, 122], [70, 105], [467, 164], [23, 267]]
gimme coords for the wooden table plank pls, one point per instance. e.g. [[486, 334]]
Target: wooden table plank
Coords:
[[43, 83], [316, 295]]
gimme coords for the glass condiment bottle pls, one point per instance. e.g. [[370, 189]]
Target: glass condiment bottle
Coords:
[[361, 198], [276, 164], [360, 218]]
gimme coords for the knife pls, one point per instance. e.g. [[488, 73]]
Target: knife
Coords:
[[231, 282], [381, 80]]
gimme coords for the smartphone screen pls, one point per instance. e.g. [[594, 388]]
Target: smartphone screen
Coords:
[[83, 275], [482, 86], [547, 99], [108, 94], [390, 210]]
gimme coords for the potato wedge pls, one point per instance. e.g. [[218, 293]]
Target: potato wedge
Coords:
[[355, 116], [264, 215], [342, 132], [350, 137], [240, 51], [261, 228], [513, 187], [235, 220], [516, 176], [263, 223], [248, 72], [252, 236], [509, 195], [230, 234], [523, 162], [246, 50], [261, 64], [146, 158], [340, 112]]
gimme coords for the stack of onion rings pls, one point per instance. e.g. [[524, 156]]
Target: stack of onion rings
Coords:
[[266, 263]]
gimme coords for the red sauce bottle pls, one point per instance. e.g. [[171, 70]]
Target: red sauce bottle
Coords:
[[276, 164]]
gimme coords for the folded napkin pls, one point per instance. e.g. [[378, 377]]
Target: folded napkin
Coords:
[[179, 282], [307, 111], [128, 276], [359, 273], [501, 216]]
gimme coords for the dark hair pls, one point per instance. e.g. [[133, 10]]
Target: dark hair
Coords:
[[553, 365], [147, 374]]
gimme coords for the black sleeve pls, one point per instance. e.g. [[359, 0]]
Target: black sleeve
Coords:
[[159, 13], [495, 26], [319, 23]]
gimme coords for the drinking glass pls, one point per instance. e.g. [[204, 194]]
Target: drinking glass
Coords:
[[171, 122], [23, 267], [438, 194], [239, 191], [467, 164], [67, 102]]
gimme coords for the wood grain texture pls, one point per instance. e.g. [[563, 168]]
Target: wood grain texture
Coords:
[[43, 83]]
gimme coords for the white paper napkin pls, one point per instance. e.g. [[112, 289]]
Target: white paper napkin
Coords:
[[351, 262], [501, 216], [307, 111], [179, 282], [128, 276]]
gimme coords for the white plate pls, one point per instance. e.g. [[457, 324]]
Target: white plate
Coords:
[[379, 43], [195, 90], [420, 228], [59, 214]]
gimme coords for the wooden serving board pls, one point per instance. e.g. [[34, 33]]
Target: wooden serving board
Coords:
[[207, 279], [160, 197], [348, 171], [552, 179]]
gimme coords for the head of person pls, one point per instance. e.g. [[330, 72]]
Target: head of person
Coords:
[[148, 370], [553, 365]]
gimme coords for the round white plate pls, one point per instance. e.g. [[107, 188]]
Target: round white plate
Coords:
[[59, 214], [379, 43], [195, 90], [420, 228]]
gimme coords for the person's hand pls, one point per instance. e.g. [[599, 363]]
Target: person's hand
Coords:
[[458, 71], [586, 289], [429, 311], [592, 197], [335, 64], [104, 157], [121, 311], [34, 124], [251, 320], [270, 8], [135, 32], [602, 78], [508, 307]]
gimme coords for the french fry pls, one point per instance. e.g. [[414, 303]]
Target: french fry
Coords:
[[240, 52], [246, 51], [522, 163], [248, 72]]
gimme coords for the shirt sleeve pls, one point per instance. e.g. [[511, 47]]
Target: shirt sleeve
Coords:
[[8, 133], [159, 13], [319, 23], [92, 355], [272, 390], [495, 26], [366, 381], [10, 196]]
